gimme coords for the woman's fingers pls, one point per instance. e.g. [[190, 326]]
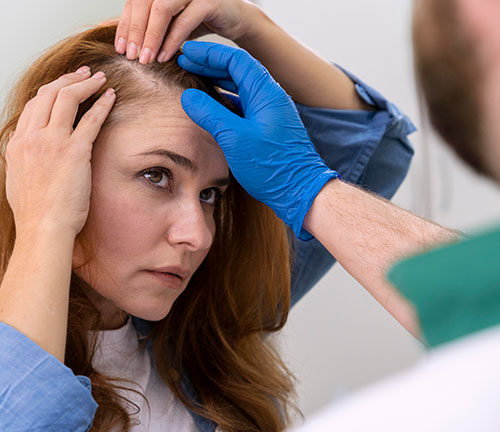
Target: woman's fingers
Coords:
[[182, 27], [122, 29], [68, 100], [37, 111], [162, 12], [137, 28], [91, 123], [147, 25]]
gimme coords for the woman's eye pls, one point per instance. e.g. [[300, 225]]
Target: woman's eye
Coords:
[[157, 177], [210, 196]]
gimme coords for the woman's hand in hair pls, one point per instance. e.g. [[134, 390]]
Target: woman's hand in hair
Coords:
[[48, 178], [155, 29]]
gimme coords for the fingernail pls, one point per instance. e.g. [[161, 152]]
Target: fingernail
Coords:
[[162, 57], [132, 51], [84, 70], [121, 45], [99, 75], [110, 92], [145, 56]]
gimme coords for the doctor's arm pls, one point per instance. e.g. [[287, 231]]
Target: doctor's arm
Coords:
[[367, 235], [271, 155]]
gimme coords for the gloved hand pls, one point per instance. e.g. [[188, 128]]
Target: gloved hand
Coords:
[[268, 151]]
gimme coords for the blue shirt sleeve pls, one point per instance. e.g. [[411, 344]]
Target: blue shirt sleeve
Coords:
[[37, 392], [368, 148]]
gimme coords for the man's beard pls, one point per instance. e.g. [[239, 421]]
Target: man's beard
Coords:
[[449, 74]]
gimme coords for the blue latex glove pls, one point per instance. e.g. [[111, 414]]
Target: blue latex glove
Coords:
[[268, 151]]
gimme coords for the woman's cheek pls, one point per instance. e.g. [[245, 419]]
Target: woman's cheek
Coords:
[[125, 222]]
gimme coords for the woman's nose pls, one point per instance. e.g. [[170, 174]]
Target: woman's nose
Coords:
[[190, 227]]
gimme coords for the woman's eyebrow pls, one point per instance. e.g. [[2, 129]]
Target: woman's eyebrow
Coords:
[[183, 162], [221, 182], [176, 158]]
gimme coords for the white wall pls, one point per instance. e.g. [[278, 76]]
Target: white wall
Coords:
[[338, 338], [28, 27]]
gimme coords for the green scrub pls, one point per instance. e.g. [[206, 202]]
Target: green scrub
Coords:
[[455, 289]]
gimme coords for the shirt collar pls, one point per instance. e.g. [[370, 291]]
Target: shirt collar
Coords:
[[455, 289]]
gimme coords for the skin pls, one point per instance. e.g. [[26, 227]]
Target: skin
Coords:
[[309, 80], [475, 23], [480, 21], [48, 186], [155, 29], [40, 268], [143, 220]]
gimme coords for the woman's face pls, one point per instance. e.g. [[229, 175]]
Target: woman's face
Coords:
[[155, 181]]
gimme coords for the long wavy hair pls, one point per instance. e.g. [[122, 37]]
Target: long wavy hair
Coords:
[[217, 332]]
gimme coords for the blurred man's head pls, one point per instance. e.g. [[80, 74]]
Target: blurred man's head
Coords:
[[457, 56]]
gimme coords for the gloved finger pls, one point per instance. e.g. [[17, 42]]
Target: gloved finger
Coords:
[[209, 114], [200, 69], [235, 99], [229, 61], [250, 77], [228, 85]]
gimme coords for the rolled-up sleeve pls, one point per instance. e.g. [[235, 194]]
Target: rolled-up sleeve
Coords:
[[368, 148], [37, 391]]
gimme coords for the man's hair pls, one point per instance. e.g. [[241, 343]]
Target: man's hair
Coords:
[[448, 72]]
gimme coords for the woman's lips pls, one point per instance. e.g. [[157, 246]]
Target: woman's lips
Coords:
[[168, 279], [181, 272]]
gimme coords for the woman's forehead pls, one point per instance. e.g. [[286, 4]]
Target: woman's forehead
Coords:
[[155, 133]]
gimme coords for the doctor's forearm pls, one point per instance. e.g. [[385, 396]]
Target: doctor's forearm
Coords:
[[34, 293], [366, 235], [305, 76]]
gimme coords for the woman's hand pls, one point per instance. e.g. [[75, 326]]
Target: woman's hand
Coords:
[[144, 24], [48, 178], [155, 29]]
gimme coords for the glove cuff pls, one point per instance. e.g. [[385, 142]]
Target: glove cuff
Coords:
[[313, 190]]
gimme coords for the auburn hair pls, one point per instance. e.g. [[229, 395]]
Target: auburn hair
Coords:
[[217, 332]]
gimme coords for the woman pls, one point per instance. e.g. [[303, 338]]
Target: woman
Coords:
[[209, 347]]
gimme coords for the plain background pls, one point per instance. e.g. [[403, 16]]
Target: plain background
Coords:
[[338, 338]]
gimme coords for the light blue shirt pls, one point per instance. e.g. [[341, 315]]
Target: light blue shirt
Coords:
[[368, 148]]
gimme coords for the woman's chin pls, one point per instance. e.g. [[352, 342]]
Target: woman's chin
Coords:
[[150, 314]]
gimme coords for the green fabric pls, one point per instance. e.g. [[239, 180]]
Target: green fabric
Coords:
[[455, 289]]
